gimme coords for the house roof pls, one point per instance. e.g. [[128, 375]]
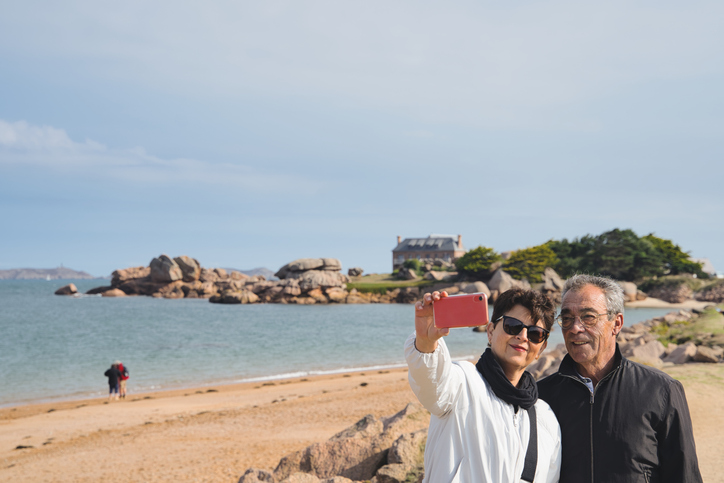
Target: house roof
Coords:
[[433, 243]]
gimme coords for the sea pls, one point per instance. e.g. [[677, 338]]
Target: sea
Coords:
[[58, 347]]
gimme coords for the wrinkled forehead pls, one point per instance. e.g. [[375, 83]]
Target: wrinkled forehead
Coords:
[[587, 299]]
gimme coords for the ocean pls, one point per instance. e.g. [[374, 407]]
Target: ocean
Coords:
[[54, 347]]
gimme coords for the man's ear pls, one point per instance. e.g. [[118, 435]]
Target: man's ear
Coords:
[[617, 324]]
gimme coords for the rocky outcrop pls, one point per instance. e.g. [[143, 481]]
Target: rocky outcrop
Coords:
[[381, 450], [713, 293], [355, 272], [502, 281], [552, 284], [190, 268], [674, 293], [69, 289], [165, 270]]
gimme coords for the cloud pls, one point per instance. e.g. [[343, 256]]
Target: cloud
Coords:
[[481, 63], [24, 145]]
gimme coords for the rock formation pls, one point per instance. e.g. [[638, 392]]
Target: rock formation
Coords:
[[386, 450], [69, 289]]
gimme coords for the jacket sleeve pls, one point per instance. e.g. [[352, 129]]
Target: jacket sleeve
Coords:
[[434, 379], [677, 451]]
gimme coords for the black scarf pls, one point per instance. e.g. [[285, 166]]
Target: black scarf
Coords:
[[525, 395]]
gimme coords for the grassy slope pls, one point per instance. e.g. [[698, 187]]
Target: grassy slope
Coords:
[[381, 282], [710, 322]]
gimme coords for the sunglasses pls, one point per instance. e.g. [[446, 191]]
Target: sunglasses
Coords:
[[513, 326]]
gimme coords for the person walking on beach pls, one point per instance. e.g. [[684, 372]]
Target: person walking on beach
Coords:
[[123, 370], [114, 377], [620, 421], [487, 423]]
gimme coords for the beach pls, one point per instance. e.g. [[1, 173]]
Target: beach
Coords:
[[215, 434]]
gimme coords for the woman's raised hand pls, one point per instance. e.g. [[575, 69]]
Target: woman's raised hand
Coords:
[[426, 333]]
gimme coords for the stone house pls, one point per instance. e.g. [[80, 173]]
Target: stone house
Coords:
[[435, 247]]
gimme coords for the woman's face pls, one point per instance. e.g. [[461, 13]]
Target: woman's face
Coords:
[[515, 352]]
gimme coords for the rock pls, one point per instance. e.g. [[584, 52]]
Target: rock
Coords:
[[630, 291], [208, 275], [306, 264], [406, 274], [408, 449], [235, 297], [712, 293], [236, 275], [312, 279], [673, 294], [682, 354], [552, 284], [355, 272], [165, 270], [476, 287], [640, 295], [190, 268], [354, 299], [114, 292], [440, 276], [318, 295], [253, 475], [140, 286], [69, 289], [705, 354], [301, 478], [393, 473], [172, 290], [221, 273], [336, 294], [121, 276], [98, 290], [649, 353], [291, 288], [502, 281], [356, 452], [199, 289]]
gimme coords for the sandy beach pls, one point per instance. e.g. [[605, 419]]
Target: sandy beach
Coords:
[[215, 434]]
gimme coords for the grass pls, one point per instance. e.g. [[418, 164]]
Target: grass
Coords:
[[697, 330], [382, 282]]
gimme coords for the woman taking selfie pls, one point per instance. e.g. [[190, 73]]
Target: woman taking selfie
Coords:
[[480, 429]]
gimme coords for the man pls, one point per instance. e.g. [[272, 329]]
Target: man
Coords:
[[620, 421]]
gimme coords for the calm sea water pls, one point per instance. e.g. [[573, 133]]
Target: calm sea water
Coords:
[[54, 347]]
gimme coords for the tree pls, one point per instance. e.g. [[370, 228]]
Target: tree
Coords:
[[477, 262], [675, 260], [530, 262]]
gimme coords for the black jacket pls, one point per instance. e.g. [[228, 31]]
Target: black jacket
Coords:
[[635, 427], [113, 375]]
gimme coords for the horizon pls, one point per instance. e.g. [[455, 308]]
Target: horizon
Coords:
[[253, 135]]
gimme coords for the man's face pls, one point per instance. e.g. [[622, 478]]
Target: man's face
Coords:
[[591, 347]]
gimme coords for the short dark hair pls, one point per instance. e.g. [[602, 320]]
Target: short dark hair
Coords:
[[540, 306]]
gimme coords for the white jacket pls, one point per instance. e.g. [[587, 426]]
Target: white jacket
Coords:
[[475, 437]]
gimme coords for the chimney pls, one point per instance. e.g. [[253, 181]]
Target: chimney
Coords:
[[460, 241], [399, 239]]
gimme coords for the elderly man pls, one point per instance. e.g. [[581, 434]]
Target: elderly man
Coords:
[[620, 421]]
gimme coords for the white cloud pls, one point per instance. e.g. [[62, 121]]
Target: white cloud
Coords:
[[23, 144]]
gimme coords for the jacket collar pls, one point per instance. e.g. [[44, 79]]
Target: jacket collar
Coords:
[[569, 367]]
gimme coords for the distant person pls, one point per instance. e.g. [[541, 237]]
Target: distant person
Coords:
[[487, 423], [124, 377], [114, 378], [620, 421]]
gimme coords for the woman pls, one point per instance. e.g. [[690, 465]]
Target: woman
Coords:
[[480, 427]]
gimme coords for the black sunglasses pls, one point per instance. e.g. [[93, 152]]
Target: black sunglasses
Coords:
[[513, 326]]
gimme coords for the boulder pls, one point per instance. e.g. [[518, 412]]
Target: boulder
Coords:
[[440, 276], [552, 282], [165, 270], [237, 275], [306, 264], [172, 290], [235, 297], [318, 295], [208, 275], [406, 274], [408, 449], [99, 290], [190, 268], [393, 473], [114, 292], [124, 275], [502, 281], [336, 294], [253, 475], [355, 272], [682, 354], [649, 353], [312, 279], [705, 354], [712, 293], [630, 291], [673, 294], [477, 287], [69, 289], [140, 286], [356, 452]]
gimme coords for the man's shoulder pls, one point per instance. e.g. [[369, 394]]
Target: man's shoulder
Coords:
[[646, 375]]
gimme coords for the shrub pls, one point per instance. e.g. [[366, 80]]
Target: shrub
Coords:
[[530, 262], [477, 262]]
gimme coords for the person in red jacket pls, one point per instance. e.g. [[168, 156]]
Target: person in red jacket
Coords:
[[124, 377]]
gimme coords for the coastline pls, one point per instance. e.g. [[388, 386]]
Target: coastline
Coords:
[[652, 303], [215, 433]]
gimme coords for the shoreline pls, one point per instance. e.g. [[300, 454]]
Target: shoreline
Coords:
[[652, 303]]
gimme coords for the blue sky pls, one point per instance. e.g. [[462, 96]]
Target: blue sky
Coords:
[[248, 134]]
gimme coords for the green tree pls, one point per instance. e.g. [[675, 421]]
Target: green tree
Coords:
[[530, 262], [413, 264], [675, 260], [477, 262]]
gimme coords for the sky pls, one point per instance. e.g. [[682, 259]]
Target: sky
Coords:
[[250, 134]]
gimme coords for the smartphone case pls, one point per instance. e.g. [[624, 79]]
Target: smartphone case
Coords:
[[468, 310]]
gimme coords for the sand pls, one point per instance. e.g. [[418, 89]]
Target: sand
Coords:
[[216, 434]]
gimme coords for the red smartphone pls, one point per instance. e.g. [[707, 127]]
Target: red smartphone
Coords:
[[467, 310]]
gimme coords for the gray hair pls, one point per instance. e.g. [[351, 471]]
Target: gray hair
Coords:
[[611, 290]]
